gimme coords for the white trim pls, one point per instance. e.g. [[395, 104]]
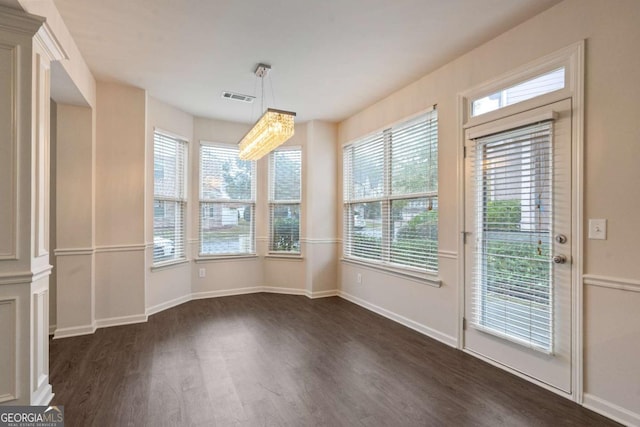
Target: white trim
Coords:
[[429, 279], [321, 241], [286, 291], [50, 43], [18, 21], [121, 248], [168, 264], [122, 320], [168, 304], [52, 329], [74, 331], [24, 276], [43, 396], [490, 128], [576, 81], [74, 251], [169, 134], [572, 58], [224, 258], [419, 327], [226, 292], [448, 254], [610, 410], [12, 152], [322, 294], [284, 256], [611, 282]]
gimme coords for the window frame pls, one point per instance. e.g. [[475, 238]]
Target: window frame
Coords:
[[252, 202], [181, 202], [272, 203], [386, 201], [564, 58]]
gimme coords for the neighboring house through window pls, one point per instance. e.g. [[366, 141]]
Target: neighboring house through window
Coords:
[[227, 201]]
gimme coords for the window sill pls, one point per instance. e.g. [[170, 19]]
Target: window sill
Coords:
[[291, 257], [429, 279], [169, 264], [218, 258]]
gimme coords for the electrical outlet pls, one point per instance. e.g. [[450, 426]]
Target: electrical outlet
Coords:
[[359, 278], [202, 273]]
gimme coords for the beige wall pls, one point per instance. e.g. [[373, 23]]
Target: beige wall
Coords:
[[73, 207], [120, 195], [612, 34]]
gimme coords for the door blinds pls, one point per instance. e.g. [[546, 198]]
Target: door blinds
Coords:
[[512, 274]]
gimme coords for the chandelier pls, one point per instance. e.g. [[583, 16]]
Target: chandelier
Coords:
[[270, 131]]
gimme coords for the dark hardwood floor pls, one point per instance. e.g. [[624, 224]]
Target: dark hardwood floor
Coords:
[[267, 359]]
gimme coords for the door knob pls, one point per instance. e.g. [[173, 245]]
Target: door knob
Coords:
[[559, 259]]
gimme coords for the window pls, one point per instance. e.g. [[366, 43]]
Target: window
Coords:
[[540, 85], [169, 197], [391, 196], [227, 201], [284, 200]]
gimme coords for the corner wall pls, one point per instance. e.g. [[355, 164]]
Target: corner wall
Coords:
[[167, 286], [120, 195]]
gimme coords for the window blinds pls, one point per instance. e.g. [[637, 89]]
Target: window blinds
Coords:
[[169, 203], [227, 201], [284, 200], [390, 184], [512, 275]]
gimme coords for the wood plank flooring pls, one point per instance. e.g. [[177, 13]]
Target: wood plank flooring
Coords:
[[267, 359]]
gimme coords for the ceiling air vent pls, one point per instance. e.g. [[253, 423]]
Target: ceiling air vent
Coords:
[[238, 97]]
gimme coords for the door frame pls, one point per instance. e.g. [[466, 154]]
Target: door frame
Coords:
[[572, 58]]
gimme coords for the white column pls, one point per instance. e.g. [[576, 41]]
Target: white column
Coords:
[[26, 50]]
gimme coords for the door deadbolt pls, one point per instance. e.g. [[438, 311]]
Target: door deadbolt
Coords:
[[561, 238]]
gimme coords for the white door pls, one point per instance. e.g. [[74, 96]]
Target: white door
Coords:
[[518, 226]]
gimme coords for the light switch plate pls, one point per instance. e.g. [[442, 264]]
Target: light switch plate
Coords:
[[598, 229]]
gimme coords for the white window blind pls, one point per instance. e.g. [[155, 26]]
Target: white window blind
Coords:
[[285, 167], [512, 277], [390, 184], [169, 197], [227, 201]]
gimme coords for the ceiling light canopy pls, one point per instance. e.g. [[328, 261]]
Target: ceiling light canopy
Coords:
[[270, 131]]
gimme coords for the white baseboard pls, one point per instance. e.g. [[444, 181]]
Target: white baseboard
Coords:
[[322, 294], [119, 321], [226, 292], [74, 331], [52, 329], [425, 330], [286, 291], [611, 410], [168, 304]]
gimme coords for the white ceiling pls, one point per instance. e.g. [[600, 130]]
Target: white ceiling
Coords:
[[329, 58]]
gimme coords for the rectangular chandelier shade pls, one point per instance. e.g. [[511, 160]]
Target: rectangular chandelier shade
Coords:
[[269, 132]]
